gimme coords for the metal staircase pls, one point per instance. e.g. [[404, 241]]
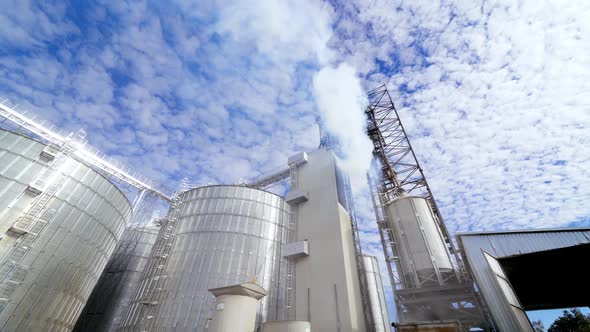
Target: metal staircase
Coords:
[[292, 237], [23, 118], [33, 221], [156, 288]]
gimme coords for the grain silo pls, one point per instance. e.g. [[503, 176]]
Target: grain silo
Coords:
[[423, 256], [112, 294], [215, 236], [379, 315], [427, 275], [59, 223]]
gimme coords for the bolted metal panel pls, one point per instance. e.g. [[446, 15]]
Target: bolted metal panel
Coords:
[[51, 259], [225, 235], [423, 256], [380, 320]]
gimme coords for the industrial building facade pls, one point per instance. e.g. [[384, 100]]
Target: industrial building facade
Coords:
[[65, 224], [524, 270], [76, 254]]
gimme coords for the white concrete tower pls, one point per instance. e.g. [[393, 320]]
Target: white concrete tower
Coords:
[[327, 287]]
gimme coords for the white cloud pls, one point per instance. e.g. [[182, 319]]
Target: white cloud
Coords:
[[341, 100], [46, 18], [500, 94], [494, 95], [287, 30]]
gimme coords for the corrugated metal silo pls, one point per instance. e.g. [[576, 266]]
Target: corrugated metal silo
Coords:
[[60, 222], [380, 320], [114, 290], [423, 257], [225, 235]]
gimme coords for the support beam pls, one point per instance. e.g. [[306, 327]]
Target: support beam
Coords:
[[267, 180]]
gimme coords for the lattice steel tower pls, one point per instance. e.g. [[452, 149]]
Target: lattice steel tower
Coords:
[[427, 275]]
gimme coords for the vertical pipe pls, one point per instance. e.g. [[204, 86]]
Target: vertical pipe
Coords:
[[309, 304], [337, 308], [138, 200]]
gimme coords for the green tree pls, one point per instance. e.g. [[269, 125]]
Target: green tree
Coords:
[[538, 326], [571, 321]]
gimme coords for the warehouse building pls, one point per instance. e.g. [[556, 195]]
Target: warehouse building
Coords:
[[516, 271]]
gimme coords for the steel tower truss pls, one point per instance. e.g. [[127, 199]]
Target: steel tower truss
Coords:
[[400, 169], [399, 173]]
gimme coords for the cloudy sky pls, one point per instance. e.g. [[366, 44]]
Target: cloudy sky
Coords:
[[494, 95]]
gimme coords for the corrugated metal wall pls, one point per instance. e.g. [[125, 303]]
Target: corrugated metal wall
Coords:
[[63, 263], [380, 319], [226, 235], [507, 244], [113, 293]]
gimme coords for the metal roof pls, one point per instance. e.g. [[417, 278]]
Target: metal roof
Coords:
[[509, 243], [530, 230], [502, 244]]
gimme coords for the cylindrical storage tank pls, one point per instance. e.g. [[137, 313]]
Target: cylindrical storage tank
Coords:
[[60, 222], [225, 235], [235, 308], [420, 246], [286, 326], [113, 292], [380, 317]]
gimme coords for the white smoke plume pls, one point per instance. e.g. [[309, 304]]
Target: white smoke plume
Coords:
[[277, 28], [341, 100]]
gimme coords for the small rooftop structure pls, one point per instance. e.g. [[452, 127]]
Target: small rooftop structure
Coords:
[[249, 289], [236, 307]]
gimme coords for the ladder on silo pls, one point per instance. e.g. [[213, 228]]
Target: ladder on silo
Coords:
[[155, 290], [292, 237], [32, 222]]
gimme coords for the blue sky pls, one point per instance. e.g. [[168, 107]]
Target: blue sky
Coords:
[[495, 95], [547, 317]]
